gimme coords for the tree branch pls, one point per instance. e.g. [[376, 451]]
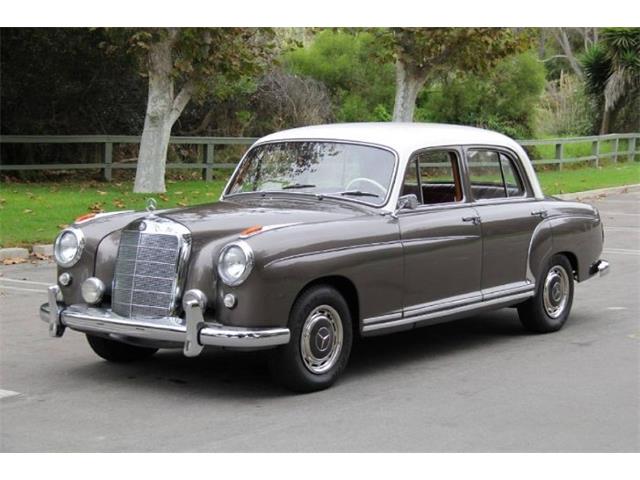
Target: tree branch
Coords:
[[181, 100], [544, 60]]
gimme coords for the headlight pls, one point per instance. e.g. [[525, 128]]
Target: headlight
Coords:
[[68, 247], [235, 263]]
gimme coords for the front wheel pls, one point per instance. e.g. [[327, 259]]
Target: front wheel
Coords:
[[321, 337], [118, 352], [549, 309]]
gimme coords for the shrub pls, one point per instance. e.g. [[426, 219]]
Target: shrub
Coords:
[[565, 109], [361, 88], [503, 99]]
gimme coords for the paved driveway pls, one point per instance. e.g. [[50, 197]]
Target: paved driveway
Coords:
[[478, 384]]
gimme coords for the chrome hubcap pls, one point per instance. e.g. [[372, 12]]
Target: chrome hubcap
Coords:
[[321, 340], [556, 291]]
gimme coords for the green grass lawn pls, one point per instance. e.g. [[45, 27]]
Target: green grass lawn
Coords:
[[35, 212]]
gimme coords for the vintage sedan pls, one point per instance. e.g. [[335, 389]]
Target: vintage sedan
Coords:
[[323, 234]]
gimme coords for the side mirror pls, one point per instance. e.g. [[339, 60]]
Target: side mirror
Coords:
[[409, 202]]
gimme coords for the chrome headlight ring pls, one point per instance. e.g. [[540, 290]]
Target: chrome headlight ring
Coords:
[[235, 248], [68, 260]]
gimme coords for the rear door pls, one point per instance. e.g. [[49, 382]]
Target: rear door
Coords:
[[508, 217]]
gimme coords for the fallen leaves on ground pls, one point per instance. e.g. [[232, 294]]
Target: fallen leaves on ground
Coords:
[[118, 203], [13, 261], [27, 210], [96, 207]]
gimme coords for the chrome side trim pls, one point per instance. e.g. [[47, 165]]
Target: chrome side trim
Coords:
[[458, 300], [508, 289], [431, 318], [383, 318]]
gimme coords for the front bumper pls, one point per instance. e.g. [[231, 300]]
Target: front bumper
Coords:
[[193, 333]]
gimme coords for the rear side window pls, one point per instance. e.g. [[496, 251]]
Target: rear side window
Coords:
[[493, 175]]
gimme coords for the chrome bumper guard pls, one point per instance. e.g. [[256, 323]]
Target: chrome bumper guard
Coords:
[[601, 267], [194, 334]]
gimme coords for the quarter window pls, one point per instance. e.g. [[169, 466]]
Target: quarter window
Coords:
[[493, 175], [433, 177], [512, 180]]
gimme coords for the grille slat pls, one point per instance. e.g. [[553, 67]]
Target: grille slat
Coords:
[[145, 274]]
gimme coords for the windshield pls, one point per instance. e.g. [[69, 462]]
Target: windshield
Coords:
[[359, 172]]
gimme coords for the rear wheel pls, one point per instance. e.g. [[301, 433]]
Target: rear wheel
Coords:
[[118, 352], [321, 337], [549, 309]]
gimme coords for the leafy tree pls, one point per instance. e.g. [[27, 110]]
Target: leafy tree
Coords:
[[360, 88], [504, 98], [193, 59], [612, 73], [425, 54]]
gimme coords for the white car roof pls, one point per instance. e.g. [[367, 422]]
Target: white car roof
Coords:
[[406, 138], [399, 136]]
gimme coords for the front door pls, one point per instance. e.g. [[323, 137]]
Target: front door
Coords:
[[441, 239]]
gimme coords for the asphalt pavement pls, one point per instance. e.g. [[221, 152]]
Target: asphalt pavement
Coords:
[[477, 384]]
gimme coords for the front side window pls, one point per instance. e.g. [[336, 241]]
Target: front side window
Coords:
[[493, 175], [433, 177], [351, 171]]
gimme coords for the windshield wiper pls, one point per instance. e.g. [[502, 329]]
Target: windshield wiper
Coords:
[[298, 185], [359, 193]]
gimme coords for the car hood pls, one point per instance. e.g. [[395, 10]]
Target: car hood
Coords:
[[230, 217]]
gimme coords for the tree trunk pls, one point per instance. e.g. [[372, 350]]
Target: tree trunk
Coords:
[[606, 120], [565, 44], [408, 86], [163, 109]]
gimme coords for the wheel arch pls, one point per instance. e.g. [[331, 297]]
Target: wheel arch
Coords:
[[573, 260], [346, 288]]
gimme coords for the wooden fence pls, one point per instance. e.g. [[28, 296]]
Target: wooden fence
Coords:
[[207, 161]]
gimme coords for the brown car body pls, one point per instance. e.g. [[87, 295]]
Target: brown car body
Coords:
[[397, 268]]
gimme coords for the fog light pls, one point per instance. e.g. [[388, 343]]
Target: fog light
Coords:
[[64, 279], [229, 300], [92, 290]]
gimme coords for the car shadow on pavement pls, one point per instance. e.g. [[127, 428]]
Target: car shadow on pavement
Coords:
[[245, 374]]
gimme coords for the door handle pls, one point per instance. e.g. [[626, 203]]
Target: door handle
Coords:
[[474, 220], [542, 213]]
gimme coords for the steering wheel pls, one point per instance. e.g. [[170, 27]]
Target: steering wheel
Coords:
[[367, 180]]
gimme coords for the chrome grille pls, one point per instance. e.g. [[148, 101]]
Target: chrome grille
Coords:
[[147, 273]]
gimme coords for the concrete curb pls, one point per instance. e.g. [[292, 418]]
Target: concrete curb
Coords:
[[21, 255], [14, 253], [599, 192]]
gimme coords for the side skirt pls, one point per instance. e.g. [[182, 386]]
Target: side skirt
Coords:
[[493, 301]]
